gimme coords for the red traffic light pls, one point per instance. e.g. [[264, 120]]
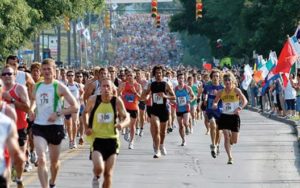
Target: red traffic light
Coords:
[[199, 6], [154, 3]]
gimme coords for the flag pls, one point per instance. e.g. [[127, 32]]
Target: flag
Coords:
[[247, 77], [286, 59], [79, 26], [295, 40], [207, 66], [86, 34]]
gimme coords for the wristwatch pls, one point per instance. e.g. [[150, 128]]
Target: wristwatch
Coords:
[[58, 114], [13, 100]]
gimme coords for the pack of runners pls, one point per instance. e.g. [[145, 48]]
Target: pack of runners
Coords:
[[44, 105]]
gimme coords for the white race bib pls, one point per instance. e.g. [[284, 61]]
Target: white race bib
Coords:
[[181, 101], [105, 117], [157, 99]]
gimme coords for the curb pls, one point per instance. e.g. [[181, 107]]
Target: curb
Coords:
[[294, 124]]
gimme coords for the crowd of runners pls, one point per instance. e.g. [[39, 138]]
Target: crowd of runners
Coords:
[[43, 105]]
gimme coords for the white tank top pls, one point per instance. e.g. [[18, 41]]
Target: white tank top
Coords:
[[5, 130], [21, 78], [44, 97], [74, 89]]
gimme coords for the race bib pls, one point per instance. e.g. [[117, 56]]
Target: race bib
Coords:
[[44, 99], [181, 101], [129, 98], [157, 99], [105, 117], [227, 107]]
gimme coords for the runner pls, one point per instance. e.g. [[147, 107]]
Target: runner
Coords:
[[160, 91], [210, 91], [100, 123], [142, 105], [16, 95], [79, 80], [8, 140], [184, 95], [71, 120], [229, 121], [131, 92], [48, 130]]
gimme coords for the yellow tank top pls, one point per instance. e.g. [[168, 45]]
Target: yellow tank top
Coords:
[[103, 122], [230, 101]]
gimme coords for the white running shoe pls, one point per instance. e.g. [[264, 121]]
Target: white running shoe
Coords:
[[95, 182], [157, 154], [131, 145], [163, 150]]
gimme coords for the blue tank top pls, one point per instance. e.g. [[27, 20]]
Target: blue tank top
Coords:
[[182, 99]]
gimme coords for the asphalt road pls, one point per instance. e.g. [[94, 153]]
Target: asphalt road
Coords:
[[267, 155]]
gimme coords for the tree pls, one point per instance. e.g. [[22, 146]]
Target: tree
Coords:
[[243, 25], [15, 24]]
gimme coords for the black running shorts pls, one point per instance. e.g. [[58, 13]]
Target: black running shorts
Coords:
[[229, 122], [106, 147], [53, 134]]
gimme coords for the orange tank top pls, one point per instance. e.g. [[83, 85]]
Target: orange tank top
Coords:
[[130, 99]]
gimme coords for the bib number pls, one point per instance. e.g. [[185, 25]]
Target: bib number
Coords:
[[157, 99], [129, 98], [181, 101], [104, 117]]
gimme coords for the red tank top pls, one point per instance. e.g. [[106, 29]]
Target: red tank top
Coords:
[[21, 115], [130, 100]]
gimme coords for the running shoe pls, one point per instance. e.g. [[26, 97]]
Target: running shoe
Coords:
[[163, 150], [213, 151], [27, 167], [33, 157], [127, 137], [183, 143], [137, 131], [19, 184], [141, 133], [218, 149], [95, 183], [131, 145], [230, 161], [157, 154]]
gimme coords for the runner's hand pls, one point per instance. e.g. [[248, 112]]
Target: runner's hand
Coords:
[[52, 117], [88, 132]]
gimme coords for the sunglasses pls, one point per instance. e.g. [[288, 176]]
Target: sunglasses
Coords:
[[78, 76], [227, 79], [7, 74], [70, 75]]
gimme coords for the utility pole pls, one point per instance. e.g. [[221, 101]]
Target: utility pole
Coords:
[[75, 43], [58, 43]]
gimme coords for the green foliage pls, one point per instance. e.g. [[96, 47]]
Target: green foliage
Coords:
[[21, 19], [243, 25]]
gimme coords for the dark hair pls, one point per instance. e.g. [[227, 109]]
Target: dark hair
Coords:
[[213, 72], [157, 67], [12, 57]]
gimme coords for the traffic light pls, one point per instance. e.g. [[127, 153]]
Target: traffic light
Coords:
[[199, 7], [107, 19], [67, 24], [157, 19], [154, 8]]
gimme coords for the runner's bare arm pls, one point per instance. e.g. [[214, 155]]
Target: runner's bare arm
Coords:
[[87, 110], [123, 115], [24, 105], [171, 93], [30, 84], [217, 99], [242, 98], [145, 93], [88, 90]]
